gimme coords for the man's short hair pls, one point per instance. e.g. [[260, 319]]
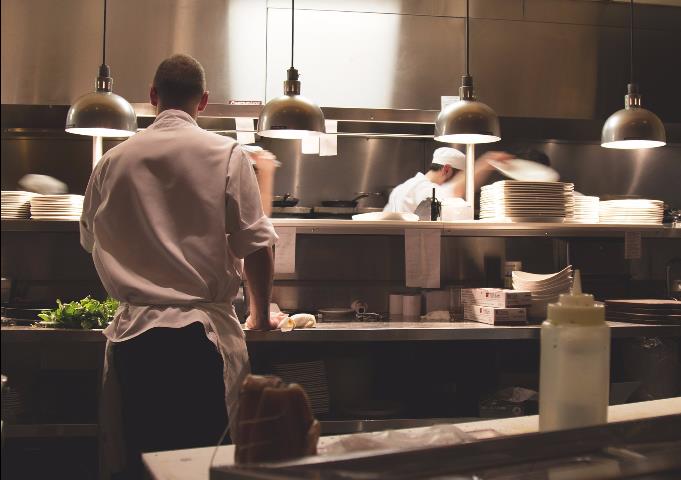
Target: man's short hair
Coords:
[[179, 79], [435, 167]]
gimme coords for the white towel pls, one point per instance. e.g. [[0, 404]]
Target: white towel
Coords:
[[422, 257], [299, 320]]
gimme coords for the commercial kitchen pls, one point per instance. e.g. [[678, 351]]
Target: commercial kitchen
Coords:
[[528, 326]]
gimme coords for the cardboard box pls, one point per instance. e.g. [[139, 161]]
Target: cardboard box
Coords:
[[495, 316], [496, 297]]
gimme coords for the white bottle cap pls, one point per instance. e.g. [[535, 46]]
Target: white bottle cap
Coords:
[[576, 307]]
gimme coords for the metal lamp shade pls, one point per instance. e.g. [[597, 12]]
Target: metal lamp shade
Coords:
[[632, 128], [467, 122], [291, 117], [101, 114]]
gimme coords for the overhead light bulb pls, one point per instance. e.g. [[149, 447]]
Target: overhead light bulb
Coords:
[[291, 116], [633, 127], [102, 113], [467, 121]]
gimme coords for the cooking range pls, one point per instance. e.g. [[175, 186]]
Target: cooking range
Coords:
[[286, 206], [320, 212]]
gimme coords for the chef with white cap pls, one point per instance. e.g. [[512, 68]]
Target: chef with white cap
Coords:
[[442, 175]]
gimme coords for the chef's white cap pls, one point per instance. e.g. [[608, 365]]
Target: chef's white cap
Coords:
[[449, 156]]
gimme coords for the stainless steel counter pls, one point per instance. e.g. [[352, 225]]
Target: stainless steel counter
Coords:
[[451, 229], [361, 332]]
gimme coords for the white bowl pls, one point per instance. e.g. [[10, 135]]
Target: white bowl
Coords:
[[542, 279], [547, 288]]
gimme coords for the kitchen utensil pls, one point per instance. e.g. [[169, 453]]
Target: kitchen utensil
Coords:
[[336, 314], [525, 170], [395, 304], [349, 203], [411, 305], [286, 200]]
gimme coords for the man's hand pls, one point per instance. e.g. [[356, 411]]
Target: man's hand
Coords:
[[483, 165], [265, 161], [275, 320], [265, 166]]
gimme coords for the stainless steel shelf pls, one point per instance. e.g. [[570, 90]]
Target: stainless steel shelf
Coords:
[[436, 331], [395, 331], [449, 229]]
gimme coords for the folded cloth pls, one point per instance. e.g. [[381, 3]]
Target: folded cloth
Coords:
[[437, 316], [299, 320]]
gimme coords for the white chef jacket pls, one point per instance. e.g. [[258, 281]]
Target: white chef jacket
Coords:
[[168, 215], [407, 196]]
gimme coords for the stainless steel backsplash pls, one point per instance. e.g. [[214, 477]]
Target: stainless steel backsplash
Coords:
[[529, 58]]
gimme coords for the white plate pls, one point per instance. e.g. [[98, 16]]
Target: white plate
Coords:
[[525, 170], [400, 216]]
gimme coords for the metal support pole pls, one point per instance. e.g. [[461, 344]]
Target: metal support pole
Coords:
[[470, 175], [96, 151]]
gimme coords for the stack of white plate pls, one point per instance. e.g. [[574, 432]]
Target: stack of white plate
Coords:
[[545, 288], [631, 211], [644, 311], [586, 209], [16, 204], [517, 201], [56, 207]]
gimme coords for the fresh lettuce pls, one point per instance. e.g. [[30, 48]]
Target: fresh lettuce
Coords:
[[87, 314]]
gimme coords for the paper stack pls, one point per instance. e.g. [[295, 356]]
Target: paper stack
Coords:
[[495, 306]]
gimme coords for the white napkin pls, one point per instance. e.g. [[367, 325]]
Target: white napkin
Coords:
[[422, 257], [285, 251], [299, 320]]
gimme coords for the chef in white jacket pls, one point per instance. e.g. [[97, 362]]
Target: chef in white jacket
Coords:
[[174, 221], [445, 175]]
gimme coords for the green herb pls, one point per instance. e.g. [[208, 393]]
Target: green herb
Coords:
[[87, 314]]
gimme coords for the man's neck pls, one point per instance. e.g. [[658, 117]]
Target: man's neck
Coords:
[[193, 112], [433, 177]]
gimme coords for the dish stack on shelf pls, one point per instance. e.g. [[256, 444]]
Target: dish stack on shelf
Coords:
[[515, 201], [586, 209], [16, 205], [632, 211], [56, 207], [644, 311], [544, 288]]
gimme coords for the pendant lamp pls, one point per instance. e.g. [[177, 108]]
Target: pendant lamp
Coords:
[[102, 113], [291, 115], [633, 127], [467, 121]]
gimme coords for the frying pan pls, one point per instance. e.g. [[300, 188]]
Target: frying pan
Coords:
[[284, 201], [347, 203]]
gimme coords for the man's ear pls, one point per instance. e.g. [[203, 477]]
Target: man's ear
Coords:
[[203, 102], [153, 96]]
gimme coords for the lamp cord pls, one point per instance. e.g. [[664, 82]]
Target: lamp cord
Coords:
[[293, 27], [104, 38], [631, 42], [467, 42]]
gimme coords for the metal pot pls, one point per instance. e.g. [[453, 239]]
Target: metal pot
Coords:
[[284, 201], [348, 203]]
